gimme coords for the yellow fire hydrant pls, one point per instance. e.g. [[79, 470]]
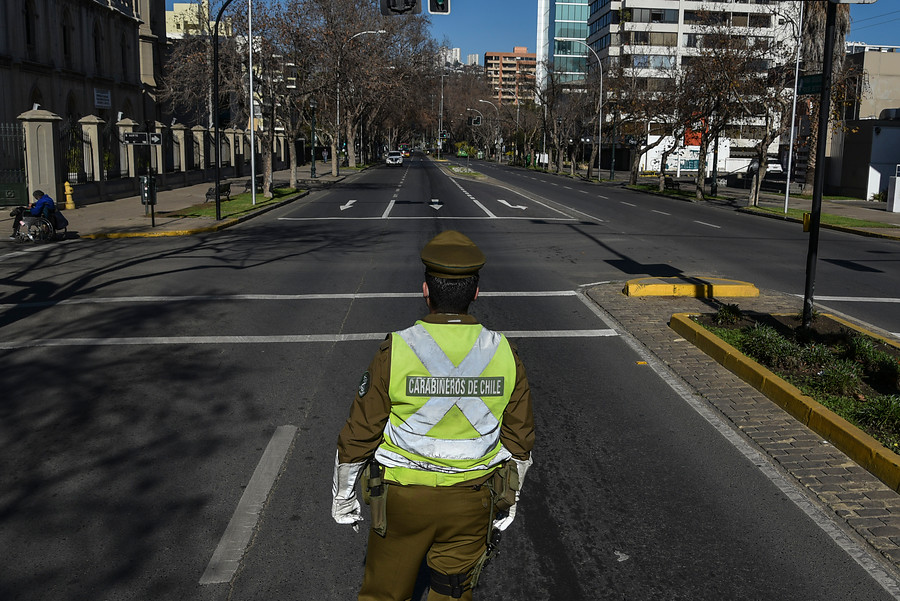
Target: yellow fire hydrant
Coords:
[[70, 196]]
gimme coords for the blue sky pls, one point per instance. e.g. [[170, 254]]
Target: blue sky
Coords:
[[479, 26]]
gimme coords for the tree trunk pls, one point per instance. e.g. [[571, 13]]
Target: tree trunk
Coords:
[[701, 168]]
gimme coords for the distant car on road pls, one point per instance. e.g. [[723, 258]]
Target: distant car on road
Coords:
[[394, 157]]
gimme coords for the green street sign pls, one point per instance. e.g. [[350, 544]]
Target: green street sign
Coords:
[[810, 84]]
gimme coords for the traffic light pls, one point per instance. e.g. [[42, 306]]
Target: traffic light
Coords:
[[399, 7], [475, 121], [439, 7]]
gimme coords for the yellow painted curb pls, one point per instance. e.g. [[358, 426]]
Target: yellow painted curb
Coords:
[[859, 446], [696, 287]]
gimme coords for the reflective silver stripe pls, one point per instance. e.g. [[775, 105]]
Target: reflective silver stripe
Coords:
[[412, 435], [389, 458]]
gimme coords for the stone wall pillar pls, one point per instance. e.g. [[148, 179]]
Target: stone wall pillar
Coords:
[[199, 135], [233, 140], [159, 157], [43, 154], [179, 133], [126, 152], [92, 127]]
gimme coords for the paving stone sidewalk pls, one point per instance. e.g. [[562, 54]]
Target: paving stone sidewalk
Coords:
[[860, 501]]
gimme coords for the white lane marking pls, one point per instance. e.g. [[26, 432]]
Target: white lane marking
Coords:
[[469, 218], [857, 299], [349, 204], [501, 201], [473, 199], [708, 224], [567, 187], [390, 206], [627, 203], [268, 297], [545, 205], [283, 339], [661, 212], [228, 554]]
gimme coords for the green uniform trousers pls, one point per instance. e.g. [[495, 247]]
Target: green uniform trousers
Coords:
[[446, 525]]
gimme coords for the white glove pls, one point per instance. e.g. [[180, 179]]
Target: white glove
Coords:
[[504, 523], [522, 468], [345, 508]]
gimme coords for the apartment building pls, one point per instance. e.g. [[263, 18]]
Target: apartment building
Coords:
[[511, 74], [652, 37], [562, 28]]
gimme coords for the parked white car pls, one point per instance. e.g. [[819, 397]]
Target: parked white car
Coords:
[[394, 157]]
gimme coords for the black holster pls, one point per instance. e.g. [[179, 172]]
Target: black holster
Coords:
[[374, 490]]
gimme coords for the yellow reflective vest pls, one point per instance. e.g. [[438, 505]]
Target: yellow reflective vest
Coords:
[[449, 386]]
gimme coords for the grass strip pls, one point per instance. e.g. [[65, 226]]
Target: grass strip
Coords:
[[827, 218], [238, 205]]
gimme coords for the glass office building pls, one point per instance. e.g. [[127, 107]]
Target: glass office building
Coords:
[[561, 25]]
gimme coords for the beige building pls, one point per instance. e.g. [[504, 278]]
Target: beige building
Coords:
[[879, 88], [511, 74], [77, 58]]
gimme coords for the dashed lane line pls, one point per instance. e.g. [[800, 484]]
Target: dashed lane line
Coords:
[[226, 559]]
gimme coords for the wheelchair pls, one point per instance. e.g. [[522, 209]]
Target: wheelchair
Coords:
[[43, 228]]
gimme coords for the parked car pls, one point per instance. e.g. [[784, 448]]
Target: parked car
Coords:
[[394, 157]]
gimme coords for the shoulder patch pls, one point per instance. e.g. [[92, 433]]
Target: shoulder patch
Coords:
[[364, 384]]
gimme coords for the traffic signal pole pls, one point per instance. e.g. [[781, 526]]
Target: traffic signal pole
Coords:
[[819, 182]]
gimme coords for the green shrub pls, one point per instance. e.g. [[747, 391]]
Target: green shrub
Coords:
[[727, 315], [840, 376], [816, 355], [766, 345], [882, 412]]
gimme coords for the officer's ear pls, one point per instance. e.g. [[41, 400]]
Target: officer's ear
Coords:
[[425, 290], [476, 293]]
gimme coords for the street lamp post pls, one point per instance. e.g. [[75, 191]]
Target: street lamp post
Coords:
[[599, 108], [312, 153], [497, 133], [337, 150]]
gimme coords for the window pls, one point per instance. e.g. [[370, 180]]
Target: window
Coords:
[[760, 20], [654, 15], [66, 38], [30, 16], [98, 49]]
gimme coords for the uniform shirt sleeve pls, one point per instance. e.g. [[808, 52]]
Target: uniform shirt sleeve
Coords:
[[517, 429], [363, 431]]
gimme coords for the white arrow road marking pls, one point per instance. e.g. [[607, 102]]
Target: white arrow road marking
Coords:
[[349, 204], [500, 200]]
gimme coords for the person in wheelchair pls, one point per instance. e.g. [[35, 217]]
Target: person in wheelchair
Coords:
[[43, 206]]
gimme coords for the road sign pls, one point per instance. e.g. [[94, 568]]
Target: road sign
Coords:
[[155, 139], [135, 137], [810, 84]]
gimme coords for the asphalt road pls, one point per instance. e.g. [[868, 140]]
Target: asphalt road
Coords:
[[146, 382]]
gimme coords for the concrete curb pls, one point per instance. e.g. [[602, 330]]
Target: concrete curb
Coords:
[[859, 446], [202, 230], [693, 286], [837, 228]]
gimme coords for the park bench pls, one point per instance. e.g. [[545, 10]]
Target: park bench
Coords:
[[671, 184], [224, 191]]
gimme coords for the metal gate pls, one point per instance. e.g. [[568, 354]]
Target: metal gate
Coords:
[[13, 179]]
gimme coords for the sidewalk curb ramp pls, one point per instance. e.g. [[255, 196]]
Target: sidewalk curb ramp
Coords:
[[881, 462], [694, 286]]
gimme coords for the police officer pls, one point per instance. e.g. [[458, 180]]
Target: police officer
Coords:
[[442, 421]]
